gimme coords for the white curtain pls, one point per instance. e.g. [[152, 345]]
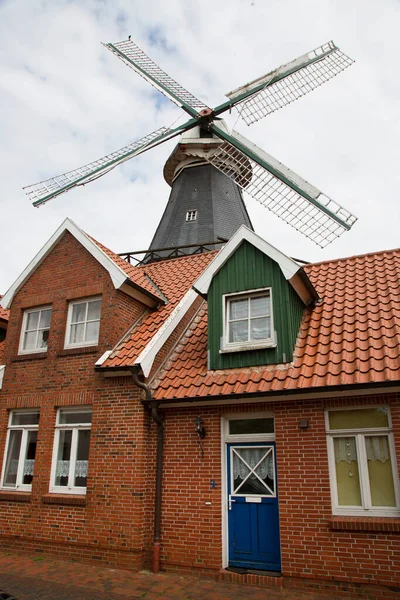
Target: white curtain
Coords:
[[81, 468], [252, 456], [377, 448]]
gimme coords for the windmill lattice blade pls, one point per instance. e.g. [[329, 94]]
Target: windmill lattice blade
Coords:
[[132, 56], [43, 191], [314, 214], [282, 89]]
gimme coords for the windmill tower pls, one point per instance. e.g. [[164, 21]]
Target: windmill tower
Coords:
[[207, 145], [204, 206]]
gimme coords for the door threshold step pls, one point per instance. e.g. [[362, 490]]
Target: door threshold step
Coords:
[[259, 572]]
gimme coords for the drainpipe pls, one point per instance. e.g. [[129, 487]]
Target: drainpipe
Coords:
[[159, 462]]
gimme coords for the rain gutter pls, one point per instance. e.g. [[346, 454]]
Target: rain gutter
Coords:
[[157, 418]]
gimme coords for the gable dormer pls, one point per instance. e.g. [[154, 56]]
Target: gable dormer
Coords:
[[256, 298]]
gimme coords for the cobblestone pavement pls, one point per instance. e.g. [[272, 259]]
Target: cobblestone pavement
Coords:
[[43, 578]]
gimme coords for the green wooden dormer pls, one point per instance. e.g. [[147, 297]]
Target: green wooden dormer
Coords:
[[256, 297]]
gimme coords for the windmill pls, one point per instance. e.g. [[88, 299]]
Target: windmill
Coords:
[[275, 186]]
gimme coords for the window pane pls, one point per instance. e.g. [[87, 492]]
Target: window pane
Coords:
[[32, 320], [67, 418], [14, 446], [238, 309], [30, 458], [380, 471], [238, 331], [359, 418], [347, 474], [260, 329], [77, 332], [81, 467], [63, 458], [79, 312], [94, 310], [92, 331], [241, 426], [43, 336], [245, 478], [45, 318], [22, 418], [30, 340], [260, 306]]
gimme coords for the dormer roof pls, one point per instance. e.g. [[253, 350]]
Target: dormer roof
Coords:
[[291, 270]]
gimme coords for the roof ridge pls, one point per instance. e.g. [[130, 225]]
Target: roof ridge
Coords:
[[346, 258]]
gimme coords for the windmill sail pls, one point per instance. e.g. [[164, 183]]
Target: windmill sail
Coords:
[[279, 189], [45, 190], [289, 82], [136, 59]]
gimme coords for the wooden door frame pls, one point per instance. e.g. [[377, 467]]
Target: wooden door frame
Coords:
[[228, 439]]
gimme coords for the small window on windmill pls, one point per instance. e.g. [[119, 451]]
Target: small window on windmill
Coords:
[[191, 215]]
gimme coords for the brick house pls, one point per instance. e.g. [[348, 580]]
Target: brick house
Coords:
[[225, 410]]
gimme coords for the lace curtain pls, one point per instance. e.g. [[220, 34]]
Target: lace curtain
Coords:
[[377, 449], [252, 456], [28, 466], [81, 468]]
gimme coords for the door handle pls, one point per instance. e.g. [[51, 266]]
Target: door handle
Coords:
[[230, 501]]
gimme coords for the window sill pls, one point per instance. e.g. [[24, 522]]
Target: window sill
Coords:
[[245, 347], [64, 499], [15, 496], [29, 356], [383, 524], [79, 350]]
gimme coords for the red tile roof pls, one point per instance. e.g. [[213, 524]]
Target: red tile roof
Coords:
[[138, 276], [173, 278], [351, 337]]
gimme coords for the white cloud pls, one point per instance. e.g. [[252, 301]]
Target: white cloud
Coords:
[[65, 101]]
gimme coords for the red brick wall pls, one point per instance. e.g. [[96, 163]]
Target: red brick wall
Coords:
[[310, 547], [108, 523], [114, 522]]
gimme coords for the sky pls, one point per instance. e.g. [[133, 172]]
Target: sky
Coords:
[[65, 100]]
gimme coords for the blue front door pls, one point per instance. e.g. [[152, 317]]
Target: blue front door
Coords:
[[253, 516]]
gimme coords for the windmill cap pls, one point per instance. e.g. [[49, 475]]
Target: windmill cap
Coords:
[[192, 150]]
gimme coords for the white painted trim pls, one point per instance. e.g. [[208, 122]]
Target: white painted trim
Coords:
[[227, 346], [224, 496], [67, 344], [74, 427], [366, 510], [146, 357], [2, 373], [19, 487], [118, 276], [21, 349], [103, 358], [287, 265], [226, 439]]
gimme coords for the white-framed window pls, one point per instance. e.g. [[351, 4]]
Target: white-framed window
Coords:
[[69, 467], [20, 453], [248, 320], [83, 323], [249, 427], [362, 462], [191, 215], [35, 330]]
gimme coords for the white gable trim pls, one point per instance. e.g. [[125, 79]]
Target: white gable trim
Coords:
[[146, 358], [288, 266], [2, 373], [117, 275]]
